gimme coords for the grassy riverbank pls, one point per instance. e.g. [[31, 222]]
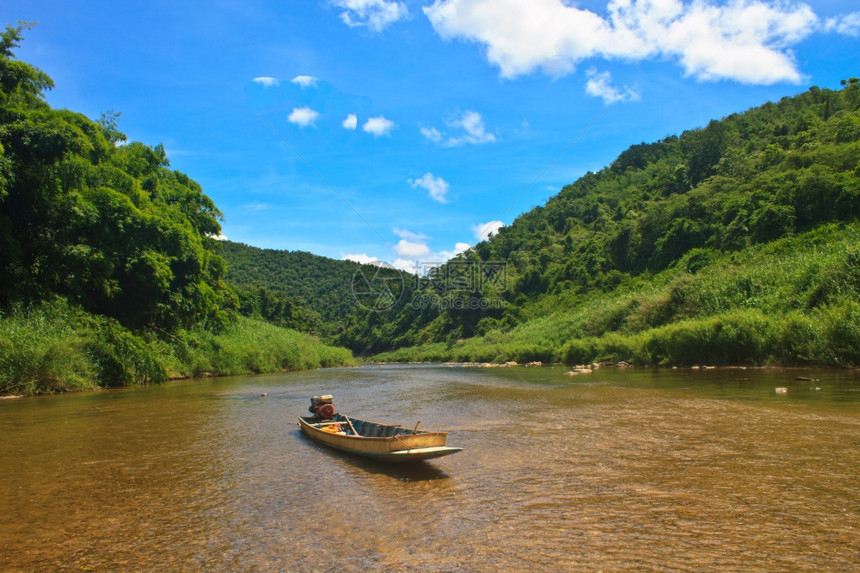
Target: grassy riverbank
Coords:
[[791, 302], [54, 347]]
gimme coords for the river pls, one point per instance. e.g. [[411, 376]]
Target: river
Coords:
[[636, 469]]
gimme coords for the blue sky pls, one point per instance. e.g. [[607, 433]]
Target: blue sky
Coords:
[[404, 131]]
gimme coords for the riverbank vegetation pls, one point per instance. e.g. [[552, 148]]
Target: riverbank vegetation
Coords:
[[795, 301], [55, 347], [735, 243], [108, 258]]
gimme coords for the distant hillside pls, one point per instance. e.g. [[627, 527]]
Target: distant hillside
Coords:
[[769, 174], [297, 289]]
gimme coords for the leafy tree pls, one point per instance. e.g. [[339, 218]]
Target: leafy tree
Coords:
[[110, 228]]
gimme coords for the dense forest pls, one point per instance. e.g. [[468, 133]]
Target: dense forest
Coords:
[[109, 274], [739, 238], [293, 288]]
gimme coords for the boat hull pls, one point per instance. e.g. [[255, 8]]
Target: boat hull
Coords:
[[404, 446]]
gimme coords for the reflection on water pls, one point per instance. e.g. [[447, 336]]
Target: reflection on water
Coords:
[[617, 470]]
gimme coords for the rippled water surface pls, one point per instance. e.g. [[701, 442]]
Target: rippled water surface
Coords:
[[651, 470]]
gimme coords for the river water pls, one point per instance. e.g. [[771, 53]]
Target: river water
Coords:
[[639, 470]]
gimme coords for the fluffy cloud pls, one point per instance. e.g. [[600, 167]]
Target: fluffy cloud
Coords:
[[412, 254], [599, 85], [267, 82], [406, 265], [305, 81], [741, 40], [473, 127], [469, 129], [411, 249], [375, 14], [407, 234], [435, 186], [378, 126], [351, 122], [432, 134], [303, 116], [848, 24], [484, 230], [362, 258], [458, 248]]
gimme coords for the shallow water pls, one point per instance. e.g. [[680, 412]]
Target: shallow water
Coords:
[[647, 470]]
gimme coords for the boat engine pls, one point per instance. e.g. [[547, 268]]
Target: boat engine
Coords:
[[322, 406]]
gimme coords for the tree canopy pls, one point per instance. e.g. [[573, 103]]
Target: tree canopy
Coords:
[[105, 225], [772, 172]]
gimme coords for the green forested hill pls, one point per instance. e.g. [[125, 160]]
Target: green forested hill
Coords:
[[658, 215], [107, 269], [300, 289]]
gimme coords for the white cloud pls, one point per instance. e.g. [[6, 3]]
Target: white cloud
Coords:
[[432, 134], [741, 40], [406, 265], [412, 249], [303, 116], [375, 14], [484, 230], [599, 85], [406, 234], [847, 24], [470, 130], [435, 186], [458, 248], [305, 81], [267, 82], [473, 125], [351, 122], [362, 258], [378, 126]]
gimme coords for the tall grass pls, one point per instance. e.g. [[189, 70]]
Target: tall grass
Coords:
[[250, 346], [791, 302], [55, 347], [41, 350]]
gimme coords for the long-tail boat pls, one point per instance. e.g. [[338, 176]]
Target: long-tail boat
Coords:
[[383, 442]]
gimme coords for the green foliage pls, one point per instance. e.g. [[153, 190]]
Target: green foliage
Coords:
[[122, 358], [109, 274], [677, 206], [43, 350], [792, 302], [293, 288], [107, 227], [54, 347], [251, 346]]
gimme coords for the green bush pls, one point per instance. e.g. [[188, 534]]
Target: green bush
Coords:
[[54, 347], [42, 351], [123, 359], [581, 351]]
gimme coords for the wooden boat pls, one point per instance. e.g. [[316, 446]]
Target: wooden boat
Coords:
[[383, 442]]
